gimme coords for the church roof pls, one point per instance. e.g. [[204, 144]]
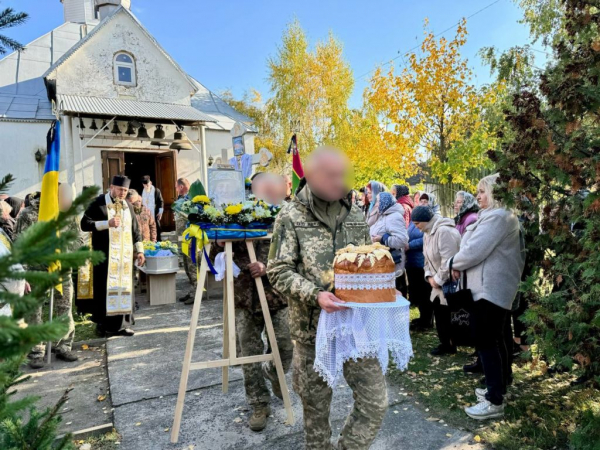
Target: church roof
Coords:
[[23, 94], [22, 90], [210, 103]]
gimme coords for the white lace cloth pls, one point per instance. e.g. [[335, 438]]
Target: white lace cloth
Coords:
[[353, 281], [363, 331]]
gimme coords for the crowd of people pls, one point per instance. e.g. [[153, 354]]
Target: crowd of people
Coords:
[[481, 247]]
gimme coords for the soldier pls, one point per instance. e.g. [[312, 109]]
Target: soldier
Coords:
[[250, 322], [308, 231], [63, 302], [183, 188]]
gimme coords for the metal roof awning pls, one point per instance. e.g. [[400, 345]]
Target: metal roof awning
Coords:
[[75, 104]]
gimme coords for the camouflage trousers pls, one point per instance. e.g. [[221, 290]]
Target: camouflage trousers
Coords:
[[367, 382], [249, 327], [188, 265], [63, 306]]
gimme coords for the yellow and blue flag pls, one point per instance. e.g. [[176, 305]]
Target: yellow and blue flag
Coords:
[[49, 198]]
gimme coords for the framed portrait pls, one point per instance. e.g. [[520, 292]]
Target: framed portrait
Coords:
[[238, 146], [226, 186]]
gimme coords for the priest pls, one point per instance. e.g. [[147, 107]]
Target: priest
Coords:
[[115, 232]]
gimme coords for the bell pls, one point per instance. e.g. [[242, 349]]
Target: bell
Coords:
[[180, 141], [159, 134], [116, 129], [130, 130], [93, 126], [104, 125], [81, 124], [142, 132]]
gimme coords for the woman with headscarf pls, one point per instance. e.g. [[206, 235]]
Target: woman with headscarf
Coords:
[[403, 197], [389, 229], [466, 208], [429, 199], [371, 192]]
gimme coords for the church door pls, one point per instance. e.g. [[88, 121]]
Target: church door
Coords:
[[113, 163]]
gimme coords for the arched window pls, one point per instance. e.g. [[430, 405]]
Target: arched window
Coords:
[[124, 69]]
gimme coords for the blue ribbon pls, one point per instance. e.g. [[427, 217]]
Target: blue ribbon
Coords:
[[192, 250], [210, 266]]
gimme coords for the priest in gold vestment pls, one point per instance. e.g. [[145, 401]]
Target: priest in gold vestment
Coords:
[[115, 232]]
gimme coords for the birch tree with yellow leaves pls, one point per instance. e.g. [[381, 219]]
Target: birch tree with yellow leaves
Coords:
[[433, 112]]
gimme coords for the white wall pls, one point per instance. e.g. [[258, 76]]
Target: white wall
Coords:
[[89, 71], [18, 144]]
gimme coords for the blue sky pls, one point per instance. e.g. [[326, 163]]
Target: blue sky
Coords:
[[225, 43]]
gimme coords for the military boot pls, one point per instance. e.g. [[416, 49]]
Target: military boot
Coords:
[[66, 355], [258, 419]]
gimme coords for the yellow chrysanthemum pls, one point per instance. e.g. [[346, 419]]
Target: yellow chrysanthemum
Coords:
[[201, 199], [233, 209]]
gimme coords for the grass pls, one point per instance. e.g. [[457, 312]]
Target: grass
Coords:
[[542, 412], [109, 441]]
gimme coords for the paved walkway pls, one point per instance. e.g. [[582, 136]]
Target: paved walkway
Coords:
[[144, 373]]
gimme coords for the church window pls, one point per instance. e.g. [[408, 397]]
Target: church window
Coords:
[[124, 66]]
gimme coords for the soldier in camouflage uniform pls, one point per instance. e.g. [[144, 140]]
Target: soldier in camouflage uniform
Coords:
[[183, 187], [63, 302], [249, 319], [308, 231]]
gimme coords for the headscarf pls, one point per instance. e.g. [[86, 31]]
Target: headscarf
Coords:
[[376, 189], [469, 205], [386, 201], [401, 190], [433, 203]]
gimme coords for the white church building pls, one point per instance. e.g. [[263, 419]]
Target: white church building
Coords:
[[124, 104]]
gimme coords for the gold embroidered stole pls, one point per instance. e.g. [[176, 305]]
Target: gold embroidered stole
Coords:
[[119, 283], [85, 277]]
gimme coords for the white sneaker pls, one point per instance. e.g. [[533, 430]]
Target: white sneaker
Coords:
[[485, 410], [480, 393]]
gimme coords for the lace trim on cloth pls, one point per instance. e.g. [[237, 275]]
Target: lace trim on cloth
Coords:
[[357, 333], [363, 282]]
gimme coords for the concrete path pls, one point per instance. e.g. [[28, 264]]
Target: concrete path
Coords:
[[89, 405], [144, 373]]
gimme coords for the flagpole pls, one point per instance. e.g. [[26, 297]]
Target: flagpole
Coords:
[[49, 346]]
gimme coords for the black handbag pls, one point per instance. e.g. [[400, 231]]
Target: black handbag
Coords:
[[460, 301]]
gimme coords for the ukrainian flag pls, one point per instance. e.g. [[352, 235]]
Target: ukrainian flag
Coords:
[[49, 198]]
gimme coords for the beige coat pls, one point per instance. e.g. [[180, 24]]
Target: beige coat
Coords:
[[441, 241]]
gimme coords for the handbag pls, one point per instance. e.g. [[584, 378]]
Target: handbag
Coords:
[[460, 301]]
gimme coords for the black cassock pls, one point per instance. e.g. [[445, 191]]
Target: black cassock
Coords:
[[97, 212]]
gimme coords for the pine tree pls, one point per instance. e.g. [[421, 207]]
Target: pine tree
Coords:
[[552, 167], [41, 244], [8, 19]]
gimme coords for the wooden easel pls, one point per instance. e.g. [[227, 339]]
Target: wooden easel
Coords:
[[229, 337]]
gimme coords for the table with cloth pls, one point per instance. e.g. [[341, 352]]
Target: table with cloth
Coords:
[[363, 330]]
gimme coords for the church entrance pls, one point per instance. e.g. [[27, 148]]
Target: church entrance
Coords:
[[135, 164]]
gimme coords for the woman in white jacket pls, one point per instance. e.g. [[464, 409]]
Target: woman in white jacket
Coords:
[[492, 255], [389, 228]]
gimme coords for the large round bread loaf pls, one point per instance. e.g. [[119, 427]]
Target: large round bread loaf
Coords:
[[365, 274]]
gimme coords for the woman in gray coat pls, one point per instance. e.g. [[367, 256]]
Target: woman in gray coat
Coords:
[[492, 257]]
